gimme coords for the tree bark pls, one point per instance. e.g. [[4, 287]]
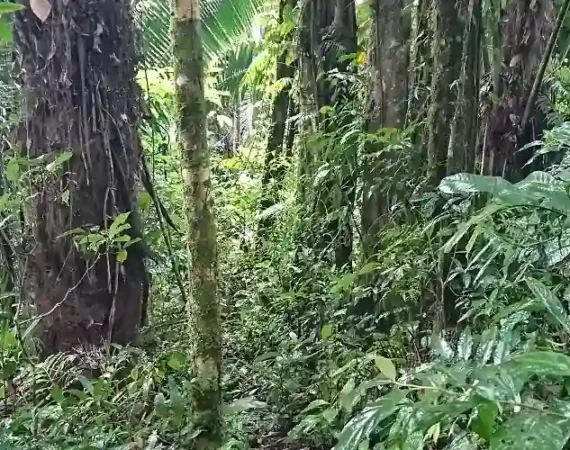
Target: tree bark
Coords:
[[388, 106], [78, 76], [328, 33], [527, 26], [447, 49], [205, 308], [463, 135]]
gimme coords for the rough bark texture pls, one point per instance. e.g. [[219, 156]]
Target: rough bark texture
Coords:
[[77, 74], [329, 32], [447, 50], [527, 24], [387, 110], [463, 134], [274, 166], [205, 308]]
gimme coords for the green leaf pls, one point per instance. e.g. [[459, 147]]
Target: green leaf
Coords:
[[368, 268], [485, 213], [12, 171], [243, 404], [549, 300], [428, 414], [144, 201], [466, 183], [387, 367], [177, 360], [465, 345], [5, 30], [314, 405], [122, 256], [344, 283], [532, 430], [484, 423], [326, 332], [273, 210], [499, 383], [57, 394], [360, 427], [543, 363], [10, 7], [116, 226], [349, 396]]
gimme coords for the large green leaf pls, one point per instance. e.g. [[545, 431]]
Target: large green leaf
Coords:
[[429, 415], [361, 426], [466, 183], [532, 430], [542, 363], [499, 383], [549, 300]]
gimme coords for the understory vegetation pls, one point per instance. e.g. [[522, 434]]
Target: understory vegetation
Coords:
[[293, 224]]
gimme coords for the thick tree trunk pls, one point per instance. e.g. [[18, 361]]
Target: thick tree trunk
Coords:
[[527, 26], [77, 71], [274, 172], [463, 135], [447, 49], [205, 308], [388, 107]]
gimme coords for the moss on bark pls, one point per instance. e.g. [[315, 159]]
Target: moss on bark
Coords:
[[205, 311]]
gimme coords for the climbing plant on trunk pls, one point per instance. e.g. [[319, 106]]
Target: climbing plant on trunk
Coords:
[[77, 70], [205, 309], [275, 167], [388, 104], [327, 39]]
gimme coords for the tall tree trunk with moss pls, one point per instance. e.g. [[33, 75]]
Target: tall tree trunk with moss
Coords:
[[77, 68], [274, 172], [388, 105], [205, 308], [461, 149], [447, 50]]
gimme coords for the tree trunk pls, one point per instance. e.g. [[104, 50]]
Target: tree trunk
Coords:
[[205, 308], [527, 26], [447, 49], [328, 33], [78, 75], [388, 110], [274, 172], [463, 135]]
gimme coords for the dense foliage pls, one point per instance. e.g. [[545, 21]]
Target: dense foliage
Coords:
[[378, 290]]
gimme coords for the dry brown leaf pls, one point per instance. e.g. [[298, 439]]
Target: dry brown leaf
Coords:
[[41, 9]]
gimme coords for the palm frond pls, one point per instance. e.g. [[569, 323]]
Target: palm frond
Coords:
[[223, 22]]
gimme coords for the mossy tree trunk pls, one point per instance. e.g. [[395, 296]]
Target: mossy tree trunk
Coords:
[[463, 135], [77, 68], [205, 308], [389, 100], [447, 50]]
